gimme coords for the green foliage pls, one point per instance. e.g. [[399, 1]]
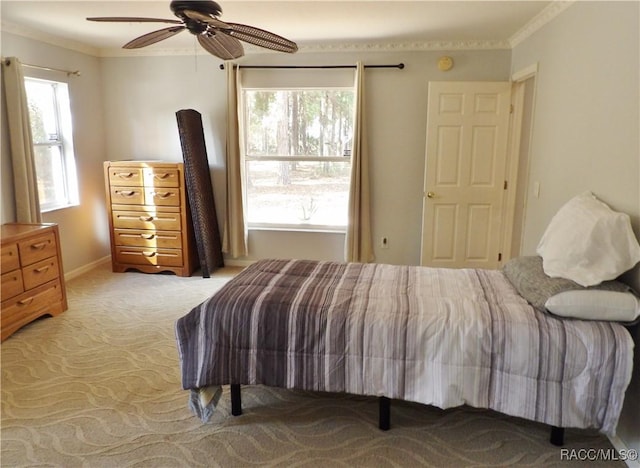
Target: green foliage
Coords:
[[303, 122], [37, 123]]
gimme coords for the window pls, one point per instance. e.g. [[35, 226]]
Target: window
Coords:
[[297, 148], [50, 116]]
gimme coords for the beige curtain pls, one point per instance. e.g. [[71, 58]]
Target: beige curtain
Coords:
[[358, 246], [234, 240], [25, 183]]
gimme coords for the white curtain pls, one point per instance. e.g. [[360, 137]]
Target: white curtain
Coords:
[[25, 183], [234, 239], [358, 244]]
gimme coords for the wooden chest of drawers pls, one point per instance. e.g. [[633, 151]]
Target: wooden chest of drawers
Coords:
[[32, 276], [149, 217]]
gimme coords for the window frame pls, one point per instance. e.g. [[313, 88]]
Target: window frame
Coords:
[[247, 158], [63, 141]]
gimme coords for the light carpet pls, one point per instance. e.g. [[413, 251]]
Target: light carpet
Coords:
[[99, 386]]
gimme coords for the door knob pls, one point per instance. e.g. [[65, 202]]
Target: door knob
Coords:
[[431, 195]]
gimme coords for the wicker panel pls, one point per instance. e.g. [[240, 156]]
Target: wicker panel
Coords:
[[200, 190]]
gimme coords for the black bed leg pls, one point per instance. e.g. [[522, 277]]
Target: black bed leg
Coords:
[[557, 436], [236, 400], [384, 413]]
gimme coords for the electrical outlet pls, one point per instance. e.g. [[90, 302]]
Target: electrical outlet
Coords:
[[384, 243]]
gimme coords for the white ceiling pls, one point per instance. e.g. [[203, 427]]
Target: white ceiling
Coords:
[[311, 24]]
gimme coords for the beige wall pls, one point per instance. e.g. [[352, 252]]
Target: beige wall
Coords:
[[83, 229], [586, 128], [141, 96], [125, 109]]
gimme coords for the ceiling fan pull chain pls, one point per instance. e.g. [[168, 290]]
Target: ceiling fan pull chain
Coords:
[[195, 54]]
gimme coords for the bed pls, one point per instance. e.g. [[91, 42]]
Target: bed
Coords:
[[442, 337]]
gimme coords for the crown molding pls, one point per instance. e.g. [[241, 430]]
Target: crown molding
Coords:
[[319, 48], [545, 16], [150, 52], [407, 46], [30, 33]]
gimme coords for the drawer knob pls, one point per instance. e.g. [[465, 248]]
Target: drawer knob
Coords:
[[39, 246], [147, 236], [162, 195], [149, 254], [162, 176], [26, 301], [124, 175], [130, 193], [42, 269], [146, 218]]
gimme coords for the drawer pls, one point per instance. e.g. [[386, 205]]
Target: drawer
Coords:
[[40, 273], [153, 239], [159, 196], [127, 176], [37, 248], [27, 306], [161, 177], [10, 258], [142, 256], [146, 221], [12, 284], [122, 195]]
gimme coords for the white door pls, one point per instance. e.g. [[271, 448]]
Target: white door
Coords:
[[464, 184]]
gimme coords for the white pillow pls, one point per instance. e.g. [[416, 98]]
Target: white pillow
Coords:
[[588, 243], [595, 304]]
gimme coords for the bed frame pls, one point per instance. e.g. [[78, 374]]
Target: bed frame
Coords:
[[384, 415]]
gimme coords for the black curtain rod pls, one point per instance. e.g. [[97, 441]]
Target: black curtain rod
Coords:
[[28, 65], [399, 66]]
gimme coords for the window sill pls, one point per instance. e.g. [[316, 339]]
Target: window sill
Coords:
[[57, 208], [316, 230]]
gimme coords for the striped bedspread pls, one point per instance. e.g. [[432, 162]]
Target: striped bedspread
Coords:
[[443, 337]]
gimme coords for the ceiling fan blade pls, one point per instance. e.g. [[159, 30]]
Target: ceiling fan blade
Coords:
[[126, 19], [221, 45], [153, 37], [261, 38], [246, 33]]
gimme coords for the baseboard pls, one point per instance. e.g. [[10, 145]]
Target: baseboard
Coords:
[[622, 448], [90, 266], [83, 269]]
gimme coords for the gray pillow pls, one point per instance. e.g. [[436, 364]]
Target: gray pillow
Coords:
[[532, 283]]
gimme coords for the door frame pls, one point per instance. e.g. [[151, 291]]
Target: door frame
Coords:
[[517, 156]]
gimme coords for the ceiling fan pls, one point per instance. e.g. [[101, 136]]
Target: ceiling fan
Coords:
[[217, 37]]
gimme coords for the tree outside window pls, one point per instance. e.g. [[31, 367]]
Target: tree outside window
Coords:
[[297, 145]]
